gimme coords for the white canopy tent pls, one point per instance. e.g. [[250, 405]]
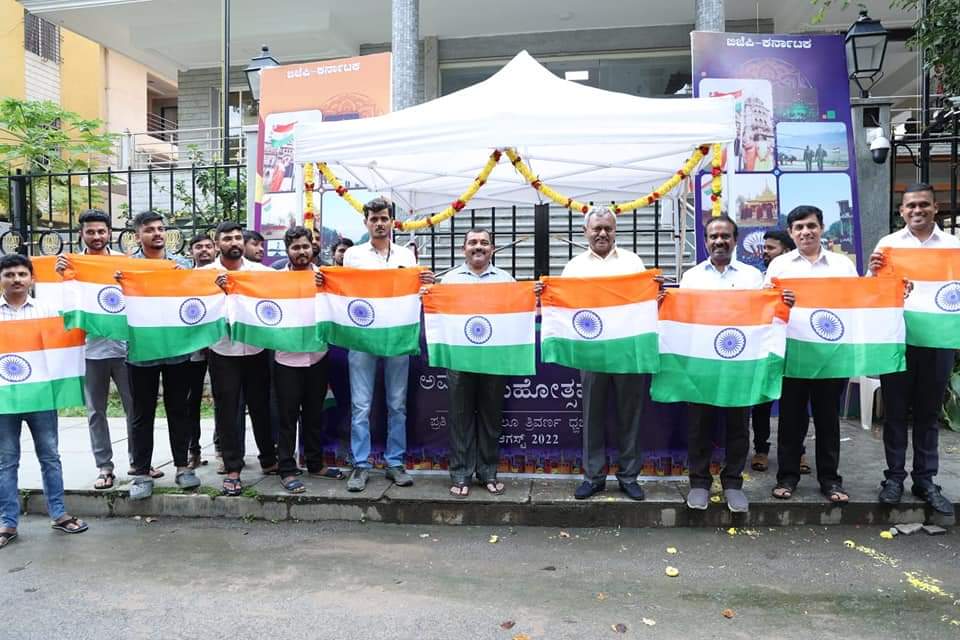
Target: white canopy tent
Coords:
[[586, 143]]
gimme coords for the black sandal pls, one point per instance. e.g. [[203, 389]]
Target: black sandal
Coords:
[[833, 493], [232, 487], [460, 490], [6, 537], [495, 487], [786, 491], [79, 525], [104, 481]]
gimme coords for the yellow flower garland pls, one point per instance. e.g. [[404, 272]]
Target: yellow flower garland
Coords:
[[423, 223], [576, 205], [716, 183], [308, 186]]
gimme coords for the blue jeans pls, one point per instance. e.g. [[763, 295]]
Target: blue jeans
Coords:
[[363, 376], [43, 428]]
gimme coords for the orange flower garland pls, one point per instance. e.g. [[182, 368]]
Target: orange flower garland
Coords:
[[576, 205], [308, 186], [716, 182]]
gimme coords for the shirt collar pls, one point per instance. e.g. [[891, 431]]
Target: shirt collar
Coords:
[[465, 268], [30, 302], [936, 233], [797, 256], [730, 267], [610, 256]]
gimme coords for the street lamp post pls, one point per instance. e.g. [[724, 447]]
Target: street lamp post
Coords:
[[866, 45], [255, 68]]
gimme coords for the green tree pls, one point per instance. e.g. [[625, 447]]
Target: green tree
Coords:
[[937, 34], [41, 137]]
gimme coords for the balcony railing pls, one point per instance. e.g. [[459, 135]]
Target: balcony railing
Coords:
[[164, 148]]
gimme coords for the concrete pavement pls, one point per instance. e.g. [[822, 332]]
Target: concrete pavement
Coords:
[[528, 501]]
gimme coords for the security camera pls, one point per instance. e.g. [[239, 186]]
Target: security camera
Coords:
[[879, 149]]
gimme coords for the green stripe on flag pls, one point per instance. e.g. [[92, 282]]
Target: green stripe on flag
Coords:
[[513, 360], [821, 360], [636, 354], [937, 330], [156, 343], [392, 341], [721, 383], [294, 339], [26, 397], [102, 325]]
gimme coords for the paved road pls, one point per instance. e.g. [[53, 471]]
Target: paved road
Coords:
[[230, 579]]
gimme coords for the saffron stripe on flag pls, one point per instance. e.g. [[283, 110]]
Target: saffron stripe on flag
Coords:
[[605, 291]]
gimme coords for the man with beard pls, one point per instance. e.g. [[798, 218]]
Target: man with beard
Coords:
[[300, 383], [605, 258], [476, 399], [203, 252], [145, 383], [253, 245], [239, 373], [920, 389], [776, 242], [719, 271], [105, 360], [379, 253], [809, 260]]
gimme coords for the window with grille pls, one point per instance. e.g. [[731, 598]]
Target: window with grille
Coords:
[[41, 37]]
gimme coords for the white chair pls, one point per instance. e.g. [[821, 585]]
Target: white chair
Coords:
[[868, 388]]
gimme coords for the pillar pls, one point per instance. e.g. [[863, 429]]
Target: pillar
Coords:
[[710, 15], [873, 180], [406, 52]]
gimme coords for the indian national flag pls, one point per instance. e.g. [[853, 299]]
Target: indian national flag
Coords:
[[932, 310], [47, 283], [275, 310], [372, 310], [173, 313], [482, 328], [606, 324], [723, 348], [844, 327], [93, 299], [41, 365]]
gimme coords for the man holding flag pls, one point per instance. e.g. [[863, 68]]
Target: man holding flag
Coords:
[[809, 260], [380, 252], [719, 271], [105, 360], [920, 389], [476, 399], [16, 278], [605, 258]]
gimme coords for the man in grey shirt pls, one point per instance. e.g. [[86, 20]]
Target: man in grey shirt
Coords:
[[105, 360]]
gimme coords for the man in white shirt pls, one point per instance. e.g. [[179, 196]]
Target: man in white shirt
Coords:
[[300, 385], [605, 258], [920, 389], [719, 271], [105, 360], [239, 374], [809, 260], [16, 278], [379, 253]]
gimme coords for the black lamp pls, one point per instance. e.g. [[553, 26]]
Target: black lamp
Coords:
[[866, 44], [258, 64]]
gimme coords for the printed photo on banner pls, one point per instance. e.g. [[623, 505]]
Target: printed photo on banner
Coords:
[[278, 147], [812, 146], [832, 194], [754, 146]]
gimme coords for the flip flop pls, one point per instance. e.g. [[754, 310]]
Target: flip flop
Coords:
[[833, 493], [104, 481], [7, 537], [232, 487], [293, 485], [328, 473], [495, 487], [64, 526], [786, 492], [460, 490]]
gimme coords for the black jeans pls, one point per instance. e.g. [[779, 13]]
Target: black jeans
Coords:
[[476, 408], [760, 420], [631, 391], [231, 376], [701, 419], [300, 392], [197, 372], [918, 391], [823, 396], [145, 388]]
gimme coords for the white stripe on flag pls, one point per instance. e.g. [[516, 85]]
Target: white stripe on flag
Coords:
[[491, 330], [870, 325], [44, 366], [399, 311], [622, 321], [165, 311], [716, 342]]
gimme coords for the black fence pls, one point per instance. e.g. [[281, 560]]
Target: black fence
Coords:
[[39, 212]]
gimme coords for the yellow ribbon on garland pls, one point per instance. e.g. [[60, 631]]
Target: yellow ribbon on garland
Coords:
[[308, 186], [716, 182]]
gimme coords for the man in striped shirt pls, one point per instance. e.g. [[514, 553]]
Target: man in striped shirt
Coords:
[[16, 278]]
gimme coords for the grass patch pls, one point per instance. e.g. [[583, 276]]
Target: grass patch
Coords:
[[115, 409]]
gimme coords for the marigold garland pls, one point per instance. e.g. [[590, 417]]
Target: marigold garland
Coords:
[[619, 207], [422, 223], [716, 182], [308, 186]]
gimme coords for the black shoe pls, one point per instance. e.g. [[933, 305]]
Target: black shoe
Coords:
[[890, 492], [587, 489], [930, 493], [633, 490]]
